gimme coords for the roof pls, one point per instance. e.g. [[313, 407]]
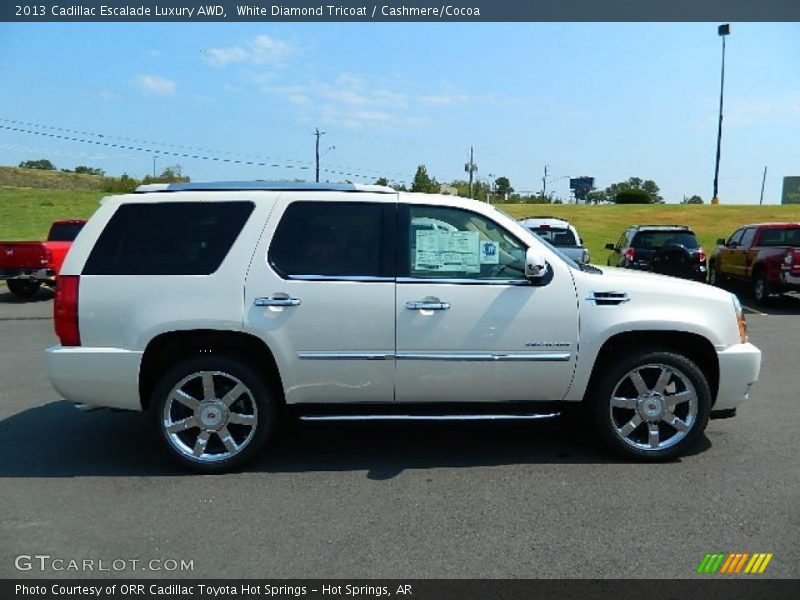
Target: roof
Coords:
[[551, 221], [772, 225], [660, 227], [283, 186]]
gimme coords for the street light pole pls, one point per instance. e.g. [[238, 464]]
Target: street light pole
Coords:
[[723, 31]]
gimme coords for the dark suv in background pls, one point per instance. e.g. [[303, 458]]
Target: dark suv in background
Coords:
[[666, 249]]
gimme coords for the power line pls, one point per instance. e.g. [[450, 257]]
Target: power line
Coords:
[[181, 154]]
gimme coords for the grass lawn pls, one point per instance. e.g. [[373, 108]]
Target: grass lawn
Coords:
[[26, 214], [602, 224]]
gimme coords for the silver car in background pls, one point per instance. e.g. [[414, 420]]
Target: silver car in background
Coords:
[[560, 234]]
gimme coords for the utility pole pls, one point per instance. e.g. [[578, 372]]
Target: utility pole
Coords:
[[544, 182], [470, 168], [763, 181], [318, 133], [723, 31]]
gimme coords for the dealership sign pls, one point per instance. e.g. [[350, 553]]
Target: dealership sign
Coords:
[[791, 190]]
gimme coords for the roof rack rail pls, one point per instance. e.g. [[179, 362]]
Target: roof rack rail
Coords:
[[663, 225], [542, 217], [282, 186]]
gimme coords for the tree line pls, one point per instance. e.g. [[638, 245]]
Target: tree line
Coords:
[[120, 185]]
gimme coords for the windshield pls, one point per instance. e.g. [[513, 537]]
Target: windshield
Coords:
[[557, 236], [657, 239]]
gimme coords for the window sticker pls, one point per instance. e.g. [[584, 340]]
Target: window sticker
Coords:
[[490, 253], [447, 251]]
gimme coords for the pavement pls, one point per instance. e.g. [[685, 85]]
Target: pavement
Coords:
[[395, 500]]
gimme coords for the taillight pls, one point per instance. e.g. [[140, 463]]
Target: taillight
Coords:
[[48, 257], [701, 254], [629, 254], [788, 259], [65, 310]]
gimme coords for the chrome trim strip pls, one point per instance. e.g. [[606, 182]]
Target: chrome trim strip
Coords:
[[499, 357], [609, 297], [368, 417], [515, 282], [360, 278], [345, 356]]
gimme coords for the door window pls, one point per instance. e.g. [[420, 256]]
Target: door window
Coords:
[[747, 237], [736, 238], [450, 243], [335, 240]]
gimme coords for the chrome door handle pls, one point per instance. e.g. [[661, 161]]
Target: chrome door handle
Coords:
[[277, 300], [426, 305]]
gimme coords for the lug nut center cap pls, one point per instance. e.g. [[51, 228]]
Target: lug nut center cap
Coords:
[[212, 415], [651, 407]]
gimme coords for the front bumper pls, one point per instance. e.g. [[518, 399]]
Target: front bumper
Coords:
[[739, 367], [95, 376]]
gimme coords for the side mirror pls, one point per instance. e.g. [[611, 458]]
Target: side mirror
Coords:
[[610, 247], [721, 242], [535, 265]]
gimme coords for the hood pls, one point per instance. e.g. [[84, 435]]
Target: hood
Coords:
[[628, 280]]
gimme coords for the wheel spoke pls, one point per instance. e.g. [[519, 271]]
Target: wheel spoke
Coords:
[[200, 444], [240, 419], [619, 402], [676, 422], [639, 384], [663, 380], [208, 386], [182, 425], [228, 440], [675, 399], [185, 399], [628, 428], [652, 434], [234, 394]]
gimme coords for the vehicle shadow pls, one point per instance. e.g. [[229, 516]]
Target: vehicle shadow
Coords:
[[784, 304], [55, 440], [43, 295]]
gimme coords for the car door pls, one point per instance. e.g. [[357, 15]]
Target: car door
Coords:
[[726, 257], [320, 292], [746, 255], [470, 327]]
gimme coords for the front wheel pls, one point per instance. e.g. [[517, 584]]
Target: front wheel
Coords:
[[23, 288], [213, 413], [714, 278], [652, 406]]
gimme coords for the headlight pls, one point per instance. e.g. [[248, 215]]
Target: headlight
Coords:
[[741, 323]]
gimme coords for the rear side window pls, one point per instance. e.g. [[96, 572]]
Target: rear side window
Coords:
[[779, 237], [335, 239], [657, 239], [167, 238], [64, 232]]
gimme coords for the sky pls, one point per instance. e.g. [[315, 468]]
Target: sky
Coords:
[[598, 99]]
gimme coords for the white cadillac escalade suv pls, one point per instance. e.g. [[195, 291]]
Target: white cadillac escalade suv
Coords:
[[219, 307]]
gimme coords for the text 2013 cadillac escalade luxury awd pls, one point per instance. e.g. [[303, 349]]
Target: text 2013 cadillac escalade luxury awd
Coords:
[[218, 307]]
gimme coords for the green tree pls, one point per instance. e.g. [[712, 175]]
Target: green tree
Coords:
[[634, 184], [42, 163], [382, 181], [89, 170], [423, 182], [632, 197], [502, 187], [692, 200]]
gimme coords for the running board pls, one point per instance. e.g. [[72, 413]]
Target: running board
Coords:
[[433, 411], [530, 417]]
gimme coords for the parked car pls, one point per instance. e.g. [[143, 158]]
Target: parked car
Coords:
[[765, 255], [665, 249], [559, 233], [253, 300], [26, 266]]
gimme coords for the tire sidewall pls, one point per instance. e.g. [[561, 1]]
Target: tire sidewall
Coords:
[[23, 288], [242, 370], [761, 279], [601, 398]]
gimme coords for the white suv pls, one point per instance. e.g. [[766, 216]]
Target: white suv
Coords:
[[219, 307]]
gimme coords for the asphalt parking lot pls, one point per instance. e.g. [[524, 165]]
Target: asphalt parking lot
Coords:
[[401, 500]]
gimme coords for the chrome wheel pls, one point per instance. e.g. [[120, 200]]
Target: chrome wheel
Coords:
[[653, 407], [210, 416]]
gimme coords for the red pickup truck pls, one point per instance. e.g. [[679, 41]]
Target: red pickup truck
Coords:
[[765, 255], [26, 266]]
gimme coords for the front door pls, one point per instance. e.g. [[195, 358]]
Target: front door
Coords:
[[470, 328]]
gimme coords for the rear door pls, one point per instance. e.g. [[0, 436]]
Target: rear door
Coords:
[[320, 291], [470, 328]]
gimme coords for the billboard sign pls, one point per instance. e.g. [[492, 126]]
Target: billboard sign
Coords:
[[791, 190]]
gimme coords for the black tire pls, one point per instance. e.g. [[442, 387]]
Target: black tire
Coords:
[[607, 417], [257, 403], [714, 277], [761, 289], [23, 288]]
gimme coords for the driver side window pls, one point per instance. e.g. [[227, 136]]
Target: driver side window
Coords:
[[736, 238], [450, 243]]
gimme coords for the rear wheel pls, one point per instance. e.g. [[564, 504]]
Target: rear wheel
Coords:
[[714, 277], [761, 288], [213, 413], [652, 406], [23, 288]]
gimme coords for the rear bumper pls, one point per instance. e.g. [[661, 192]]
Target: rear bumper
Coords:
[[35, 274], [95, 376], [789, 281], [739, 367]]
